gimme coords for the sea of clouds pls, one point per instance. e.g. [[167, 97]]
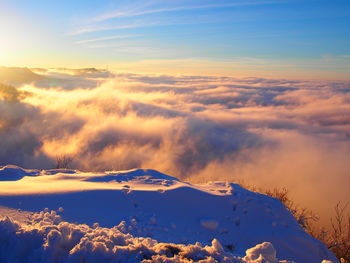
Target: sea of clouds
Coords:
[[262, 132]]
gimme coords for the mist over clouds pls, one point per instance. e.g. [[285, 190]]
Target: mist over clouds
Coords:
[[263, 132]]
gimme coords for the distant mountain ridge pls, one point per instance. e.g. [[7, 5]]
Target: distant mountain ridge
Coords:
[[15, 75]]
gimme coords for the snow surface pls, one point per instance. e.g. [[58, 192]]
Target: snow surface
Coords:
[[143, 215]]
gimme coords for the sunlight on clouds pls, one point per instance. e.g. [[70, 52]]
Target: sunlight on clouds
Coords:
[[265, 132], [317, 69]]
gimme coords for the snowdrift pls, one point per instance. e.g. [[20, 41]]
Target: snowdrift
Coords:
[[143, 215]]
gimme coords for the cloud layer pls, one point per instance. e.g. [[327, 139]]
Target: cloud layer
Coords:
[[263, 132]]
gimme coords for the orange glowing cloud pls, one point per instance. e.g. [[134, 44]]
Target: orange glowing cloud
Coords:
[[265, 132]]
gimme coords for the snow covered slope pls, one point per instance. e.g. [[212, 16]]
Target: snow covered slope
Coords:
[[142, 215]]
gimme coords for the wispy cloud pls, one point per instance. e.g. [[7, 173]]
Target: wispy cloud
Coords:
[[98, 28], [133, 13], [101, 23], [90, 29], [105, 38]]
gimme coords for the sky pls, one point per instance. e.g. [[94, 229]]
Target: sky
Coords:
[[305, 39]]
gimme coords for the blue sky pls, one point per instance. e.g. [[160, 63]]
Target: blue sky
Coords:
[[291, 33]]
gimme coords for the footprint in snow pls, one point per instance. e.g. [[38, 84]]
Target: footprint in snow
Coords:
[[136, 205], [237, 221], [126, 190], [249, 199], [223, 231], [167, 183], [234, 206], [284, 224]]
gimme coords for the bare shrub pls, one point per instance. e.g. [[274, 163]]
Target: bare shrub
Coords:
[[339, 237], [306, 218], [63, 161]]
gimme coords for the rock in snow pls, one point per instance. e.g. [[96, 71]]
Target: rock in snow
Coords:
[[143, 215]]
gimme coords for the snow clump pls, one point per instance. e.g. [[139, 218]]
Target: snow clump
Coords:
[[45, 237]]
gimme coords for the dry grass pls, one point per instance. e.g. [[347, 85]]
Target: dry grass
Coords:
[[305, 217], [337, 239]]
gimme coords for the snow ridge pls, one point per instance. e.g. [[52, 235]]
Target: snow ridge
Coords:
[[139, 215]]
